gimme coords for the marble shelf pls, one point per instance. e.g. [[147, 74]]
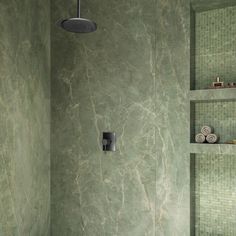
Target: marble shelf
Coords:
[[212, 148], [213, 94], [202, 5]]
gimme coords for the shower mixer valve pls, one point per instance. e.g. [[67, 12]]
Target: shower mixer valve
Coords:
[[109, 141]]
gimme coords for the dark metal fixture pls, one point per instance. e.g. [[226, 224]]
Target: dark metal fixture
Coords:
[[78, 24], [109, 141]]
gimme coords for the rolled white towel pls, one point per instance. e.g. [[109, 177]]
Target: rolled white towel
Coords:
[[212, 138], [207, 130], [200, 138]]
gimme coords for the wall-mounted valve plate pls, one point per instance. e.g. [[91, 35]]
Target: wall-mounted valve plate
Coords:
[[109, 141]]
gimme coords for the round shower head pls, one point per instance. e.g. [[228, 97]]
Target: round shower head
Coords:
[[78, 25]]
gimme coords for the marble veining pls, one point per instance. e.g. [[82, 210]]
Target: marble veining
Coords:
[[25, 118], [130, 76]]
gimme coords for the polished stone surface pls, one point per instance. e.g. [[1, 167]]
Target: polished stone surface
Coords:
[[228, 94], [131, 77], [24, 119], [212, 148], [203, 5], [172, 119]]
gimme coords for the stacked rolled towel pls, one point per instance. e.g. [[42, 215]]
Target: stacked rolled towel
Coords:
[[200, 138], [207, 130], [212, 138], [206, 135]]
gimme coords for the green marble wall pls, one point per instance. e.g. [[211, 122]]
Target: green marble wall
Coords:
[[24, 119], [172, 117], [131, 77]]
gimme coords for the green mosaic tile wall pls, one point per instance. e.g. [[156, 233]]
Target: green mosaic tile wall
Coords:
[[215, 52], [218, 114], [215, 195]]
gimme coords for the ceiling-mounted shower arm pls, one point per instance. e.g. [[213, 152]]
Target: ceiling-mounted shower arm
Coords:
[[78, 8], [78, 24]]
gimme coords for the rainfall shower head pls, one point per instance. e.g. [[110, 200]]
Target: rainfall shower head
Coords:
[[78, 24]]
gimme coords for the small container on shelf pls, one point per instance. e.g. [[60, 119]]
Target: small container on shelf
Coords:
[[231, 142], [230, 85], [219, 84]]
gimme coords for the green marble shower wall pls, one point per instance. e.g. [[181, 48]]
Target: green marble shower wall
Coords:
[[131, 77], [24, 118]]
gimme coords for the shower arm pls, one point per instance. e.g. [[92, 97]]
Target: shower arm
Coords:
[[78, 8]]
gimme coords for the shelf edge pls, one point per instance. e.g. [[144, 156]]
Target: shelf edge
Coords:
[[212, 148]]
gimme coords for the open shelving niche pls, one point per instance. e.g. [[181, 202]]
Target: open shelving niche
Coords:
[[213, 166]]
